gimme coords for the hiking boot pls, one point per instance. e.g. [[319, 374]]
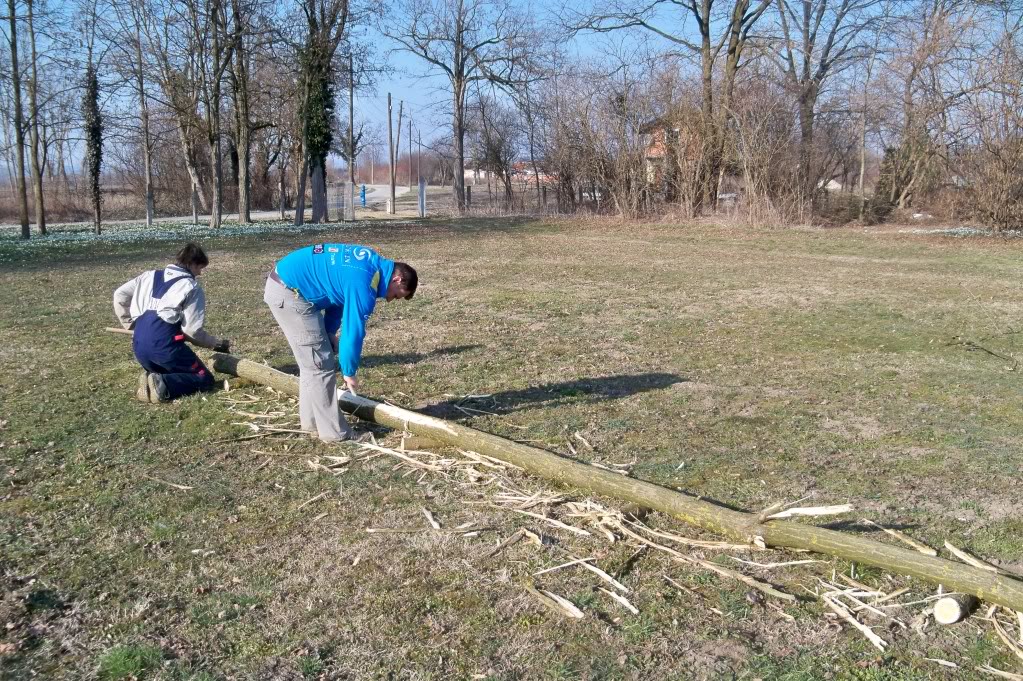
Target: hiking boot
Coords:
[[157, 389], [142, 391]]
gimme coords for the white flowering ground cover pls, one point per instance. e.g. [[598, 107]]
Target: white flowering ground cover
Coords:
[[13, 247], [965, 232]]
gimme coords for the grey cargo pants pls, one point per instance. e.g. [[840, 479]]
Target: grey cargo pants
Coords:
[[317, 396]]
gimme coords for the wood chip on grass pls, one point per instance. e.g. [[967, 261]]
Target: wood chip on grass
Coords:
[[970, 559], [184, 488], [429, 517], [723, 571], [556, 603], [555, 523], [1014, 647], [622, 600], [810, 512], [570, 563], [844, 613], [772, 566], [988, 669], [904, 538], [309, 501]]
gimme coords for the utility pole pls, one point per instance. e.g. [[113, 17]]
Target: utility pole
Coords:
[[390, 150], [410, 151], [351, 121], [350, 194]]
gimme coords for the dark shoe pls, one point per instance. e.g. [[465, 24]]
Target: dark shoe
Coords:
[[142, 391], [157, 389], [361, 437]]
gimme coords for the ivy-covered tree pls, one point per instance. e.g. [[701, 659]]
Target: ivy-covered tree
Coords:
[[319, 112], [93, 128], [327, 22]]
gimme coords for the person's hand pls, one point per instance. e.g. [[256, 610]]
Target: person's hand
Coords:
[[352, 385], [223, 346]]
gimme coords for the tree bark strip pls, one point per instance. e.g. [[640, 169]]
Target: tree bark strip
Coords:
[[733, 524]]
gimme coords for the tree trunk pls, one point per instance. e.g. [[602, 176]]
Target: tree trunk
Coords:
[[33, 112], [199, 196], [244, 125], [302, 166], [147, 143], [217, 202], [284, 173], [736, 525], [458, 138], [300, 196], [19, 123], [807, 103], [213, 127], [93, 129], [319, 194]]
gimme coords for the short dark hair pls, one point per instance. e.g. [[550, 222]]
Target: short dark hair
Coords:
[[192, 254], [409, 278]]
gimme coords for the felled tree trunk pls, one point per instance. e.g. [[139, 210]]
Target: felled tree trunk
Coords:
[[745, 527]]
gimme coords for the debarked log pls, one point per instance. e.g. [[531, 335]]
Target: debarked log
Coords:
[[736, 525]]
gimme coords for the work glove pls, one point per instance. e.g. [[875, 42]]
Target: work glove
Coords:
[[223, 346]]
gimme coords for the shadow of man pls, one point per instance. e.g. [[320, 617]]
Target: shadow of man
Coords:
[[587, 390]]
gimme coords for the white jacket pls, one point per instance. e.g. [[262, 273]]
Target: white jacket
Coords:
[[184, 302]]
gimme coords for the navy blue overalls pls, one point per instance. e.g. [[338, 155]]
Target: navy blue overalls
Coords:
[[160, 348]]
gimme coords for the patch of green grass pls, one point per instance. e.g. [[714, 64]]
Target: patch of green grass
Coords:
[[129, 662]]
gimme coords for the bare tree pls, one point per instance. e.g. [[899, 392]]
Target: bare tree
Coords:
[[819, 40], [216, 44], [496, 133], [19, 124], [127, 23], [924, 81], [723, 27], [35, 114], [468, 41], [172, 43]]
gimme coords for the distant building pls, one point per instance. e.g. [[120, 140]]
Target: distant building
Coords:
[[663, 137]]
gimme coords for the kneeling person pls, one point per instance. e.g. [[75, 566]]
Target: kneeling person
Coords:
[[315, 291], [165, 308]]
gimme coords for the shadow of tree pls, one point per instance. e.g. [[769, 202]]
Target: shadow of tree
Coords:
[[587, 390]]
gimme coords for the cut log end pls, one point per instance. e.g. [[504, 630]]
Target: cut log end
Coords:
[[954, 608]]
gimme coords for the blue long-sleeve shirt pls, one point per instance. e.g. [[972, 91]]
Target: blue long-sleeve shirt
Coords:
[[343, 280]]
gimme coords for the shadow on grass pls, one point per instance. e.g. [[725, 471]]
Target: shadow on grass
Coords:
[[586, 390], [394, 358], [415, 357]]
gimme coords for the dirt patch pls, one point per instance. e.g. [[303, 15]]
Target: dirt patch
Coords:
[[853, 427]]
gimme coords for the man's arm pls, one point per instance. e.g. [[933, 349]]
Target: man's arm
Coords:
[[332, 319], [193, 312], [353, 331], [122, 302]]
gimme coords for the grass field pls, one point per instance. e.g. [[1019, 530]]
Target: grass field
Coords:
[[144, 541]]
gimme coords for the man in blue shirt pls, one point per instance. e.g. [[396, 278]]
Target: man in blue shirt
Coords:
[[313, 293]]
